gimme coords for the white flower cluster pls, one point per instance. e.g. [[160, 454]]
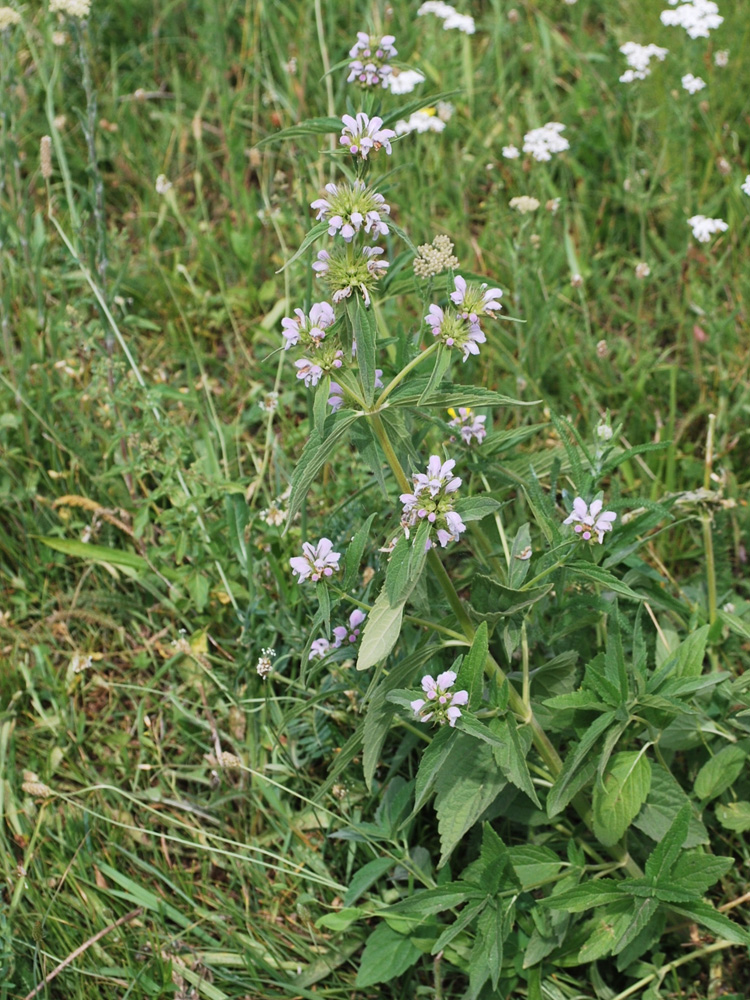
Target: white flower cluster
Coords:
[[692, 84], [543, 142], [745, 186], [638, 58], [704, 228], [8, 17], [524, 204], [698, 17], [405, 81], [451, 17], [435, 257], [426, 120], [73, 8]]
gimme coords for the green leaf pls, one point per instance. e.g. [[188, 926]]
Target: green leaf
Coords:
[[734, 816], [354, 552], [471, 674], [587, 571], [314, 455], [662, 859], [433, 760], [721, 771], [365, 877], [685, 661], [340, 920], [95, 553], [488, 870], [381, 631], [487, 953], [475, 508], [618, 799], [534, 865], [584, 897], [366, 334], [631, 924], [410, 393], [715, 922], [561, 792], [427, 902], [313, 126], [665, 799], [519, 560], [237, 516], [439, 368], [464, 791], [600, 930], [695, 872], [583, 700], [386, 955], [377, 724], [324, 603], [315, 233], [511, 758]]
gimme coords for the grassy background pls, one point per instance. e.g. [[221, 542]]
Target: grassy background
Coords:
[[231, 867]]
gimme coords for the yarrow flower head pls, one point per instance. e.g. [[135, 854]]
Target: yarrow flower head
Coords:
[[745, 186], [698, 18], [344, 634], [543, 142], [692, 84], [470, 425], [370, 55], [638, 58], [452, 18], [363, 134], [511, 152], [426, 120], [590, 520], [704, 228], [73, 8], [347, 269], [435, 257], [8, 18], [351, 207], [316, 561], [432, 500], [524, 203], [264, 666], [405, 81], [441, 703]]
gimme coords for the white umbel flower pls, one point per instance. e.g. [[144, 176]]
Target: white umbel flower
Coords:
[[692, 84], [704, 228], [73, 8], [543, 142], [638, 58]]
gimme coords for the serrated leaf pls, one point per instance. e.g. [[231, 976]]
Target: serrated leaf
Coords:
[[314, 455], [386, 955], [600, 930], [665, 854], [664, 801], [584, 897], [583, 700], [534, 865], [464, 792], [366, 334], [237, 516], [695, 872], [519, 558], [715, 922], [439, 369], [561, 792], [433, 759], [618, 799], [685, 661], [488, 946], [471, 674], [475, 508], [381, 631], [511, 758], [315, 233], [734, 816], [487, 871], [339, 920], [720, 772]]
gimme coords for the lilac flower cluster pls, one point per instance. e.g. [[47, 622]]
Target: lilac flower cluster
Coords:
[[351, 207], [432, 500], [370, 55], [590, 520], [342, 634], [310, 331], [363, 134], [440, 703], [469, 424], [316, 561], [460, 327]]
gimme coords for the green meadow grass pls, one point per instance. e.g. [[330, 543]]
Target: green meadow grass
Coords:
[[140, 336]]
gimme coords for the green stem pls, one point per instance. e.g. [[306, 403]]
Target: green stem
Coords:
[[404, 372], [662, 972]]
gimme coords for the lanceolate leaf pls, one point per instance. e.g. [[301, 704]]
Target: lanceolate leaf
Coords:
[[721, 771], [315, 454], [387, 954], [381, 631], [560, 793], [366, 334]]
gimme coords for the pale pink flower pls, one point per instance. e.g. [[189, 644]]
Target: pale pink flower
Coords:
[[316, 561]]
